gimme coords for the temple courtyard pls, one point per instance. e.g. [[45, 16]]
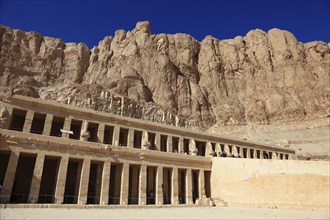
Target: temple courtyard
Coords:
[[90, 212]]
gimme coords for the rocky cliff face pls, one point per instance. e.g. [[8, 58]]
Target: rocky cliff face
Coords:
[[262, 78]]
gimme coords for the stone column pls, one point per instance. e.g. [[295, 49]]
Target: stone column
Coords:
[[84, 180], [116, 131], [61, 179], [254, 153], [130, 143], [208, 149], [66, 126], [145, 144], [100, 132], [124, 185], [159, 186], [143, 186], [36, 180], [104, 195], [84, 134], [175, 187], [241, 154], [169, 143], [28, 121], [192, 145], [157, 141], [217, 148], [248, 153], [181, 145], [189, 200], [226, 149], [261, 154], [201, 183], [275, 156], [48, 124], [234, 150], [9, 177]]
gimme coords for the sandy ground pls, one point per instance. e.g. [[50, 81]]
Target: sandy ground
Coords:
[[160, 213]]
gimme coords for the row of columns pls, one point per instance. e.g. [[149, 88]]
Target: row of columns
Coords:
[[105, 181], [145, 137]]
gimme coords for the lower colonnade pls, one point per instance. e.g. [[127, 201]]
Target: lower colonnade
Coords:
[[30, 173]]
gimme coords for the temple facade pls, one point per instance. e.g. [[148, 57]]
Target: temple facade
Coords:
[[61, 154]]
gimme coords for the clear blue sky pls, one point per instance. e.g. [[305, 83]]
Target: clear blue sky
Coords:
[[89, 21]]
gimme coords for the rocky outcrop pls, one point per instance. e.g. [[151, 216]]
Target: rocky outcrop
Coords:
[[262, 78]]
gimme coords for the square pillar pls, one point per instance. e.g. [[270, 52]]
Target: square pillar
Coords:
[[262, 154], [116, 131], [254, 153], [189, 199], [159, 186], [28, 121], [84, 180], [226, 149], [169, 144], [248, 155], [104, 195], [192, 145], [241, 152], [208, 149], [61, 179], [201, 183], [181, 145], [9, 177], [130, 143], [84, 134], [124, 185], [157, 141], [66, 126], [100, 133], [217, 148], [143, 185], [36, 180], [175, 187], [48, 124]]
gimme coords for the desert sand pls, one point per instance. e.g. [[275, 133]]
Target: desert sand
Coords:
[[160, 213]]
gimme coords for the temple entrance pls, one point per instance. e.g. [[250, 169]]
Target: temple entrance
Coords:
[[167, 185], [195, 185], [38, 123], [72, 181], [92, 129], [151, 185], [57, 125], [115, 183], [207, 182], [48, 180], [133, 184], [201, 146], [108, 134], [94, 183], [17, 120], [163, 143], [123, 136], [152, 138], [182, 186], [175, 143], [137, 139], [186, 146], [4, 159], [76, 129], [23, 178]]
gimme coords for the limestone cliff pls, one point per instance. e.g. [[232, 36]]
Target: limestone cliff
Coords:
[[262, 78]]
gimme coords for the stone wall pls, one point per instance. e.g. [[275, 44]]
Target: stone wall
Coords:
[[271, 183]]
